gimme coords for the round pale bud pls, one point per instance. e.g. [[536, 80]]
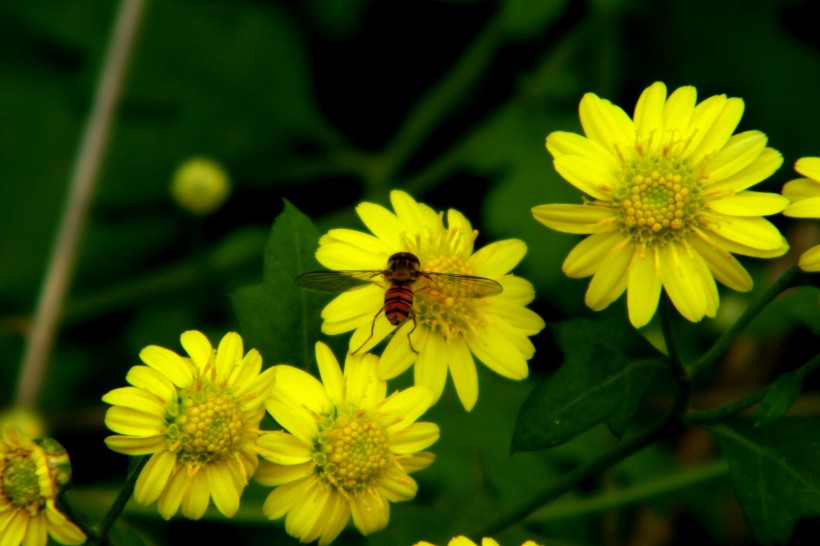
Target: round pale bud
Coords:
[[200, 185]]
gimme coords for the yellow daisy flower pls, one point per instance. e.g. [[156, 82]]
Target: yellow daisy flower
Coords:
[[347, 448], [197, 417], [804, 193], [445, 329], [31, 474], [464, 541], [667, 201]]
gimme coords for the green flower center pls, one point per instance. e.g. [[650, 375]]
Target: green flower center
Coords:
[[447, 308], [659, 200], [208, 425], [20, 483], [351, 452]]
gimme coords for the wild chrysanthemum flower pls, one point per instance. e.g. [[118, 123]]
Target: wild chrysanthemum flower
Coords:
[[464, 541], [446, 328], [347, 449], [804, 193], [197, 417], [31, 474], [667, 201]]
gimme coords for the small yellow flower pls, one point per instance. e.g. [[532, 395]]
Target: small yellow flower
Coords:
[[347, 448], [197, 417], [804, 193], [200, 186], [668, 201], [464, 541], [445, 331], [31, 474]]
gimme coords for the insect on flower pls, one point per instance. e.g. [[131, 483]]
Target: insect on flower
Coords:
[[402, 273]]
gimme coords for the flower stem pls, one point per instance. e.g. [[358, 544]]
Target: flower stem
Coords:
[[119, 503], [719, 347], [730, 410], [81, 188]]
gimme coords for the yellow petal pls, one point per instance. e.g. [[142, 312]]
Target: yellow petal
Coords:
[[805, 208], [132, 422], [285, 449], [151, 380], [353, 308], [398, 355], [588, 255], [137, 399], [348, 249], [750, 203], [335, 518], [154, 477], [131, 445], [63, 530], [761, 168], [649, 122], [610, 280], [461, 232], [716, 134], [752, 232], [228, 355], [580, 219], [180, 371], [430, 369], [330, 373], [370, 512], [516, 290], [171, 497], [274, 474], [499, 354], [401, 409], [801, 188], [810, 260], [281, 499], [196, 499], [644, 287], [739, 152], [589, 176], [223, 491], [369, 333], [416, 461], [463, 372], [563, 143], [363, 388], [682, 282], [606, 123], [414, 438], [809, 167], [723, 266], [678, 112], [416, 216], [396, 485], [498, 258], [37, 532], [198, 347], [385, 225]]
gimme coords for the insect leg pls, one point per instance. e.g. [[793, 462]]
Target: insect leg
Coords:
[[413, 329], [372, 330]]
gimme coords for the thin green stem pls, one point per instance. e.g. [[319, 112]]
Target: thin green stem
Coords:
[[730, 410], [663, 485], [570, 481], [78, 202], [119, 503], [442, 98], [723, 343]]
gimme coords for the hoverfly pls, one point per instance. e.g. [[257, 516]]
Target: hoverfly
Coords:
[[403, 270]]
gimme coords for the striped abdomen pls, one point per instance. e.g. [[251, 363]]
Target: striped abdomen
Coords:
[[398, 302]]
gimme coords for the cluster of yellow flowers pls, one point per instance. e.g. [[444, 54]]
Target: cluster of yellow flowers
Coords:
[[666, 204]]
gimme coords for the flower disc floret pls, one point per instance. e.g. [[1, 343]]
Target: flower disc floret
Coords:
[[198, 418], [346, 450], [668, 201]]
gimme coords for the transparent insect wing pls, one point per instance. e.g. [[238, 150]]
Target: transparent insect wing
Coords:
[[464, 286], [335, 281]]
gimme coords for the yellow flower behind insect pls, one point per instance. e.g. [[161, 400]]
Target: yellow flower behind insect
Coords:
[[464, 541], [198, 418], [31, 475], [446, 329], [804, 193], [667, 201], [347, 448]]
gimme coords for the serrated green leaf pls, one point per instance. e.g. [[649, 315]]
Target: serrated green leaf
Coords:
[[779, 397], [275, 317], [605, 373], [775, 471]]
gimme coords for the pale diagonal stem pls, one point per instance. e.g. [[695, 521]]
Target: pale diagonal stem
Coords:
[[81, 188]]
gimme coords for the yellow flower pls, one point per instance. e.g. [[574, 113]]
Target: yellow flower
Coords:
[[347, 449], [31, 474], [667, 201], [464, 541], [805, 196], [197, 417], [445, 329]]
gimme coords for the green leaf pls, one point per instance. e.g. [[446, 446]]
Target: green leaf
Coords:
[[775, 471], [779, 397], [606, 371], [275, 317]]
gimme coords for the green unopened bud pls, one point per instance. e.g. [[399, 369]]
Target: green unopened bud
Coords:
[[200, 186]]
